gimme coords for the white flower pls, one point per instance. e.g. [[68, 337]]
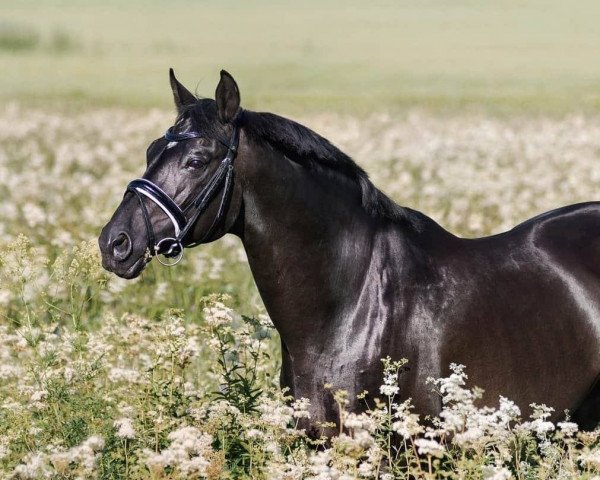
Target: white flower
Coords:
[[508, 411], [37, 399], [275, 413], [34, 215], [496, 473], [366, 470], [9, 371], [300, 408], [125, 428], [35, 467], [95, 442], [85, 456], [406, 423], [389, 390], [390, 383], [429, 447], [591, 458], [5, 297], [217, 314], [187, 453], [254, 433], [127, 375], [568, 428]]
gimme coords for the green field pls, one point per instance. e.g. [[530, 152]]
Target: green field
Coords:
[[540, 56]]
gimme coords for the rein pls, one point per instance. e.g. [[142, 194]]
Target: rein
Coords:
[[183, 220]]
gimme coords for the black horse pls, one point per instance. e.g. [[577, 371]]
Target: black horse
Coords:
[[349, 277]]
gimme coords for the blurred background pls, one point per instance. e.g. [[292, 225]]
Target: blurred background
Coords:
[[347, 56]]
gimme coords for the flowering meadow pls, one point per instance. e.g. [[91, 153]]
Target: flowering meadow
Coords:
[[174, 375]]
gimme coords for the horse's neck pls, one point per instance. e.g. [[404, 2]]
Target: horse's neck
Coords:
[[308, 241]]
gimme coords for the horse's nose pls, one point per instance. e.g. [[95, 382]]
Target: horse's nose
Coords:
[[121, 247]]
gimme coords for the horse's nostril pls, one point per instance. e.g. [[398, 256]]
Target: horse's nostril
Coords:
[[121, 246]]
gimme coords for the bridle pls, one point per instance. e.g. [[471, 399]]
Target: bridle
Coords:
[[183, 220]]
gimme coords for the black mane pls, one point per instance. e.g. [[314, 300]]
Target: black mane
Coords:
[[307, 148]]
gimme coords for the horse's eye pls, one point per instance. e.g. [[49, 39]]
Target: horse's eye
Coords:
[[194, 163]]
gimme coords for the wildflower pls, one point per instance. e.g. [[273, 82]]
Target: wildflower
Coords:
[[161, 290], [508, 411], [37, 399], [217, 314], [568, 429], [188, 453], [265, 321], [35, 467], [287, 471], [451, 387], [390, 384], [126, 375], [4, 450], [355, 421], [496, 473], [84, 457], [389, 390], [254, 433], [406, 423], [275, 413], [539, 425], [9, 371], [590, 458], [429, 447], [300, 408], [124, 428], [366, 470], [5, 297]]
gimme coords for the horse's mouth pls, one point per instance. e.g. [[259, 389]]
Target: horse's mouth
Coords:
[[132, 272]]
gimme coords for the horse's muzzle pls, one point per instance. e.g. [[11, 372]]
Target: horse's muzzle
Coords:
[[119, 255]]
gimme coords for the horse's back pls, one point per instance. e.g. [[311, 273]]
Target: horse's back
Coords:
[[527, 322], [567, 236], [570, 235]]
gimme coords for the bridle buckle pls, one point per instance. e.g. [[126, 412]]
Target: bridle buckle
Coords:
[[175, 251]]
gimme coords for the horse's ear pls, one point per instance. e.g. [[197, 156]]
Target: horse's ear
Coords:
[[227, 97], [181, 95]]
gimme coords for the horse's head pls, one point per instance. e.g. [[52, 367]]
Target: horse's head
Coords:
[[187, 195]]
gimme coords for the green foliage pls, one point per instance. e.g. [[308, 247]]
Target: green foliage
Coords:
[[15, 37]]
